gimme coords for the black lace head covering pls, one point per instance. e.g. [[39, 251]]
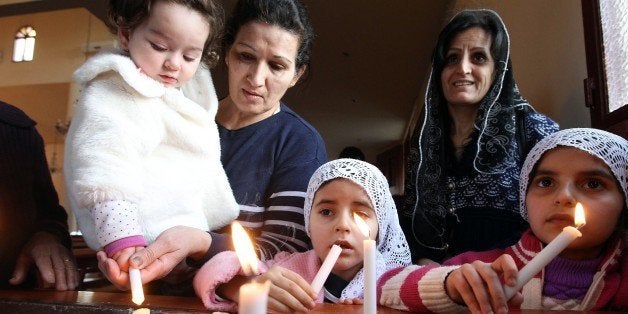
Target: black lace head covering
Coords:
[[495, 127]]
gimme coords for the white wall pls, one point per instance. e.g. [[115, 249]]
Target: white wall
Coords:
[[61, 36]]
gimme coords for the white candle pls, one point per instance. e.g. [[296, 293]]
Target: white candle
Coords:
[[328, 264], [137, 293], [253, 296], [568, 235], [370, 277]]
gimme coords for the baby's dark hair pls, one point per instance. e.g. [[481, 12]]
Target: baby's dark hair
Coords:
[[129, 14]]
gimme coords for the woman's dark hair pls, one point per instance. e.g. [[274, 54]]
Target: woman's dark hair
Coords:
[[486, 20], [130, 14], [290, 15]]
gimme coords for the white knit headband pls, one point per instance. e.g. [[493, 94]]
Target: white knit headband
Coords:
[[392, 247], [610, 148]]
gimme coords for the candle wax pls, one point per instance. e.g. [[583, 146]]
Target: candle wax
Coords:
[[253, 298], [370, 278], [137, 292], [326, 267]]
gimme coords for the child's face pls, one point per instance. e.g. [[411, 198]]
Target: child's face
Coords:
[[168, 46], [563, 177], [332, 222]]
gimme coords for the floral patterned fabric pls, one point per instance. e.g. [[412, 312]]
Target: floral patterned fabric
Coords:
[[444, 195]]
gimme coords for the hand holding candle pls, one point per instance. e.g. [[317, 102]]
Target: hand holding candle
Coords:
[[370, 277], [137, 292], [553, 249], [253, 296]]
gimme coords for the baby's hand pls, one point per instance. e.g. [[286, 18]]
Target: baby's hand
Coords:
[[479, 285], [122, 257]]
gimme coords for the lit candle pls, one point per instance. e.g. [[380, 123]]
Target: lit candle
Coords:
[[244, 249], [253, 297], [328, 264], [568, 235], [370, 277], [137, 293]]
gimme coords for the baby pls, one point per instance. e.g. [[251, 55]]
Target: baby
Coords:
[[141, 157]]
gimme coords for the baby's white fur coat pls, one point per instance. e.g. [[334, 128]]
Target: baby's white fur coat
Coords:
[[133, 139]]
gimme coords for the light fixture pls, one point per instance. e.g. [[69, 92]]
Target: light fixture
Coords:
[[61, 129], [24, 45]]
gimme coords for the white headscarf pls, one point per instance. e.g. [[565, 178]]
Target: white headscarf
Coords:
[[392, 248], [610, 148]]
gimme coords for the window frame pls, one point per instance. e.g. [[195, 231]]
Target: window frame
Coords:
[[595, 85]]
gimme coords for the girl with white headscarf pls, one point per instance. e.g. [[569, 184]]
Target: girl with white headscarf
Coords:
[[581, 165], [336, 191]]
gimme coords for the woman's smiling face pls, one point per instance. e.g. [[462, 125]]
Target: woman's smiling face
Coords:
[[468, 71]]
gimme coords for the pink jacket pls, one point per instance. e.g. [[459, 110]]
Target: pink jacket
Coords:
[[421, 289], [225, 265]]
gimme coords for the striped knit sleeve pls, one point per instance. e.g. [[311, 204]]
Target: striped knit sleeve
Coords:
[[417, 289]]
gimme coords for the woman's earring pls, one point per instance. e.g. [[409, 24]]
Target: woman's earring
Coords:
[[214, 56]]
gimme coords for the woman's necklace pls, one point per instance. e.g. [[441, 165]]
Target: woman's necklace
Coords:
[[459, 144], [460, 135]]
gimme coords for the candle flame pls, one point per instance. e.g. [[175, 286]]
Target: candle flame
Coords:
[[362, 225], [579, 216], [244, 249]]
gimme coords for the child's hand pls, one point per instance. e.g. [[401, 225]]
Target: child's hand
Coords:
[[122, 257], [426, 261], [479, 285], [351, 301], [289, 292]]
